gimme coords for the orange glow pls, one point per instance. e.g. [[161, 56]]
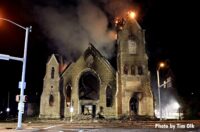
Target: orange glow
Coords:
[[2, 16], [162, 64], [116, 21], [112, 35], [131, 14], [0, 22]]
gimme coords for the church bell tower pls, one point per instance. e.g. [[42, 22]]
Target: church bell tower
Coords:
[[134, 94]]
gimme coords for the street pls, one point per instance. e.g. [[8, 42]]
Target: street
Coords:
[[104, 126]]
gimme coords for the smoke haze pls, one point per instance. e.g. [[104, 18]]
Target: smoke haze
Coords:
[[73, 27], [118, 8]]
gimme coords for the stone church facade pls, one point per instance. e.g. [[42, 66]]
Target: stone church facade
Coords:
[[92, 86]]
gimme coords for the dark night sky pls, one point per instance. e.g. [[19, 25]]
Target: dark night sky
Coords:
[[170, 35]]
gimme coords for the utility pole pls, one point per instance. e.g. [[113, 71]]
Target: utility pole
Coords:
[[22, 83]]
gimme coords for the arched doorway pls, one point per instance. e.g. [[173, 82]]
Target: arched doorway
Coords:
[[89, 85], [134, 103]]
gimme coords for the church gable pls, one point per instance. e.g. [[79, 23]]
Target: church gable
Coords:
[[92, 82], [92, 59], [52, 60], [52, 67]]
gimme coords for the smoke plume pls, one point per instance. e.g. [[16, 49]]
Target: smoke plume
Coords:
[[118, 8], [73, 27]]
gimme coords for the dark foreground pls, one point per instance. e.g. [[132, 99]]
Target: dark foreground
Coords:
[[103, 126]]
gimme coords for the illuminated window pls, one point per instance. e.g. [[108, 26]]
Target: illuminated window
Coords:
[[68, 95], [52, 72], [125, 69]]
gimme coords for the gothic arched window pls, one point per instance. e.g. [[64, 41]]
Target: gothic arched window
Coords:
[[109, 97], [125, 69], [68, 95], [51, 100], [132, 70], [132, 47], [52, 72], [140, 70], [51, 97]]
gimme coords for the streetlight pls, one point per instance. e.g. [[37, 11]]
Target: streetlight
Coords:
[[161, 65], [71, 111], [22, 83], [8, 105]]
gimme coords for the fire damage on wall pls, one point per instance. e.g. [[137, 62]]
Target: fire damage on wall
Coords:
[[91, 86]]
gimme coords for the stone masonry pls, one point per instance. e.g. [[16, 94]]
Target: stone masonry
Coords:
[[91, 86]]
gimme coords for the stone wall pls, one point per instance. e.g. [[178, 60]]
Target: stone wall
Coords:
[[106, 76], [50, 108], [130, 83], [124, 86]]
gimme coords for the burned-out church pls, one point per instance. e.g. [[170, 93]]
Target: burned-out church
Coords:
[[92, 86]]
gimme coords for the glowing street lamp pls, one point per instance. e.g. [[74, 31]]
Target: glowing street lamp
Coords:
[[8, 110], [22, 83], [161, 65], [71, 111], [8, 105]]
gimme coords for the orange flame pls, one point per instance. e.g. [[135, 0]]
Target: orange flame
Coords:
[[116, 21], [131, 14]]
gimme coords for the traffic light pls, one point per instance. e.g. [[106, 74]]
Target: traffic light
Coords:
[[17, 98], [24, 99], [169, 84]]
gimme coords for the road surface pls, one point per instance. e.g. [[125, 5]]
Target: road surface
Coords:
[[104, 126]]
